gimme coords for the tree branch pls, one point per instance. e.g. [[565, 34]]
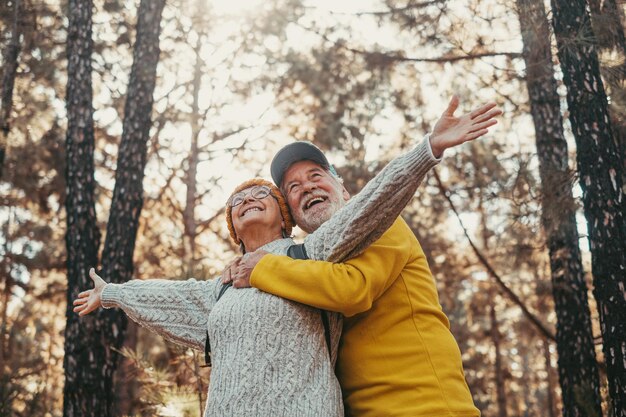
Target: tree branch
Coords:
[[391, 11], [394, 56], [512, 296]]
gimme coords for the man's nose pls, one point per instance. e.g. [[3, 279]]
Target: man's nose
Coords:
[[309, 186]]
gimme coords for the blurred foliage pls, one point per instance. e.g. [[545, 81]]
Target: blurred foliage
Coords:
[[364, 86]]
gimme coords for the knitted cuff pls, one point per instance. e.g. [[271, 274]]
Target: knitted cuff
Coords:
[[111, 293], [430, 149], [421, 159]]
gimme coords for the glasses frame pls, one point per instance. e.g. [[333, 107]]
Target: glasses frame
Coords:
[[258, 192]]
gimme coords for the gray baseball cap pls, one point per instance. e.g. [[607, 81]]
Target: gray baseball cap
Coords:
[[295, 152]]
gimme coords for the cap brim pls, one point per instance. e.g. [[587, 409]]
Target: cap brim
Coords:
[[292, 153]]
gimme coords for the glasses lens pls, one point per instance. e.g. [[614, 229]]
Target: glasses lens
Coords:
[[258, 192], [237, 199]]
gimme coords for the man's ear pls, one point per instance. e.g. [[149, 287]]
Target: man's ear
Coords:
[[345, 193]]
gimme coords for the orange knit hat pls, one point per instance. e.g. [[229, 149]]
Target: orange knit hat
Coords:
[[274, 191]]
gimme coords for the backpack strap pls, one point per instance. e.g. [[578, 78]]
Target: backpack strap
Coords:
[[299, 252], [207, 344], [207, 352], [223, 290], [326, 325]]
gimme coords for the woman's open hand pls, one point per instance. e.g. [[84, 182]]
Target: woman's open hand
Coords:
[[90, 300]]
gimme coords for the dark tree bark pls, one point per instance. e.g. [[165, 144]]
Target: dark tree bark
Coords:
[[607, 17], [608, 24], [85, 392], [578, 367], [128, 193], [9, 64], [90, 348], [600, 169], [117, 257]]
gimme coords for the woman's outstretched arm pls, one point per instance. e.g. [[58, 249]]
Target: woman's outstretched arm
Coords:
[[177, 310]]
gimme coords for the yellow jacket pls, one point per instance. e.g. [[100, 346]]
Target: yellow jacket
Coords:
[[397, 356]]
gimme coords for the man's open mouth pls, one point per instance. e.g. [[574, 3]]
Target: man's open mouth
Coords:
[[314, 201]]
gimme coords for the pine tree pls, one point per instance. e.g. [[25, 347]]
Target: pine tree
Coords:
[[85, 388], [577, 362], [600, 170], [91, 358]]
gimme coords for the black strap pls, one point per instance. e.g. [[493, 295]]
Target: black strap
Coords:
[[297, 252], [207, 344], [326, 331], [207, 351], [223, 290]]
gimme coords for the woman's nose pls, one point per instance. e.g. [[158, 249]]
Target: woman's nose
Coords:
[[249, 197]]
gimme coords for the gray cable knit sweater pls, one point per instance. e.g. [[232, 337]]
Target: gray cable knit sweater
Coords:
[[269, 355]]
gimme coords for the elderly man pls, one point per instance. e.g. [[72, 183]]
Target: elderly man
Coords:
[[397, 356]]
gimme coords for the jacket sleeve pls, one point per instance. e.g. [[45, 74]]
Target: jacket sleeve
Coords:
[[367, 215], [348, 288], [176, 310]]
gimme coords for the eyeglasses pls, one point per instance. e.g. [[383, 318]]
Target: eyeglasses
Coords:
[[258, 192]]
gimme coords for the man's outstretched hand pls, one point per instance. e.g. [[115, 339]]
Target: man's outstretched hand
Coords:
[[450, 131], [90, 300], [240, 270]]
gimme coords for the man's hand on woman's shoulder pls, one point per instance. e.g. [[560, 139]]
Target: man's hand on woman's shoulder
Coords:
[[239, 271]]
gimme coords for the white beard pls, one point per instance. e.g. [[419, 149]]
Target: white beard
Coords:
[[313, 218]]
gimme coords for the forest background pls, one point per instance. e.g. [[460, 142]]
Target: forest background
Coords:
[[128, 123]]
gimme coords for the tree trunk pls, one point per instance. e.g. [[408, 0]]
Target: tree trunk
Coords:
[[578, 367], [600, 169], [551, 397], [90, 349], [189, 217], [117, 256], [9, 63], [607, 17], [499, 372], [126, 386], [494, 333], [85, 391], [608, 24], [5, 275]]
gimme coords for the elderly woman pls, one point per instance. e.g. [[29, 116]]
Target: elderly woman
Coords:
[[270, 356]]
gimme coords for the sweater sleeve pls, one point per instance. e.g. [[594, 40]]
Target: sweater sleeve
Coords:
[[366, 216], [176, 310], [348, 288]]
